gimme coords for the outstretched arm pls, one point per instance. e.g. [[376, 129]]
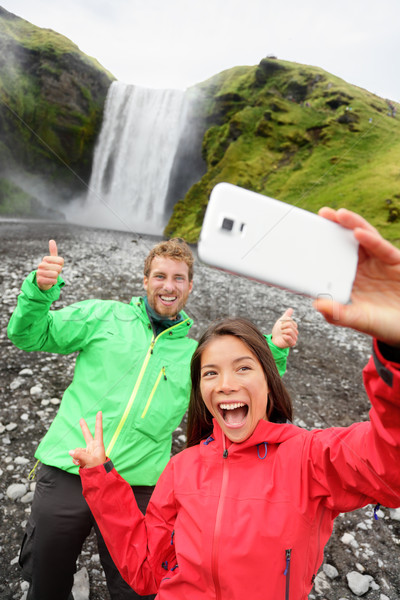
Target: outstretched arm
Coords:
[[375, 299]]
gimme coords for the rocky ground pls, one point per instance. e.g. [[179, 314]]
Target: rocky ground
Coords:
[[324, 377]]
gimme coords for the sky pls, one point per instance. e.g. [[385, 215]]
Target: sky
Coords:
[[178, 43]]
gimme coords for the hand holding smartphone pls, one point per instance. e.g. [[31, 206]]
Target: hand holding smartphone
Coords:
[[267, 240]]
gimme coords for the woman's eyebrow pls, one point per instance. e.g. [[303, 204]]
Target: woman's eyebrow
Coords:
[[239, 359]]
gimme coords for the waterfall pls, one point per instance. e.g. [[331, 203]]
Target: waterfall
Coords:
[[133, 159]]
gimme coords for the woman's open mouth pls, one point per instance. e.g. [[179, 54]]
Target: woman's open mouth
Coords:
[[233, 413]]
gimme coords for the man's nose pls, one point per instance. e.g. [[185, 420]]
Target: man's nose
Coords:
[[168, 284]]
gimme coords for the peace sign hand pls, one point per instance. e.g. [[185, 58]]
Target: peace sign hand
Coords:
[[94, 454]]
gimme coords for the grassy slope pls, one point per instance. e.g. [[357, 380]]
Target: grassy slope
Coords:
[[301, 135], [42, 91]]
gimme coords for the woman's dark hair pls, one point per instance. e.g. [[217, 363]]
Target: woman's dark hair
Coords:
[[279, 407]]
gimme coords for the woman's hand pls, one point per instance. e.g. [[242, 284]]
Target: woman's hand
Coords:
[[94, 453], [375, 299]]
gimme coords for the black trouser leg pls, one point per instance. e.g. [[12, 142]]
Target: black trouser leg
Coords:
[[117, 586], [59, 523]]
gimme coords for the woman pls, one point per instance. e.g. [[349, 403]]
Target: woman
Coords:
[[247, 511]]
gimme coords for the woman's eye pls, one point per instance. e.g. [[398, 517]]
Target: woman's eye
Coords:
[[208, 373], [244, 368]]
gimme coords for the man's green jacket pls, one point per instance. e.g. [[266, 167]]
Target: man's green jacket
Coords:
[[140, 382]]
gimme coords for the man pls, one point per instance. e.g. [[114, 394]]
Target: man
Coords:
[[133, 365]]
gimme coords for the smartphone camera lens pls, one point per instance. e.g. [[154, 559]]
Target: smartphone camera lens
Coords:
[[227, 224]]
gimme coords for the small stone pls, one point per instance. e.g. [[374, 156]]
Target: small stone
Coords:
[[330, 571], [27, 498], [359, 584], [16, 383], [95, 558], [16, 490], [26, 373], [35, 390], [347, 538], [80, 588], [11, 426], [394, 514], [321, 583], [21, 460]]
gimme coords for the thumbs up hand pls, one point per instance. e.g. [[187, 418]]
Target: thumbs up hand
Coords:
[[50, 268], [285, 330]]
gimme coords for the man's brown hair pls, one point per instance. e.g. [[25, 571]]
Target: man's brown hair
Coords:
[[175, 248]]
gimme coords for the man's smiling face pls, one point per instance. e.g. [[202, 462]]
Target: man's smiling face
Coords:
[[167, 286]]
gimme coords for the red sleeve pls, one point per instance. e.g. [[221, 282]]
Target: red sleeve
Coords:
[[358, 465], [141, 546]]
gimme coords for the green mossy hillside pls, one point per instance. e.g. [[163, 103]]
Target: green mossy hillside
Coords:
[[299, 134], [51, 104]]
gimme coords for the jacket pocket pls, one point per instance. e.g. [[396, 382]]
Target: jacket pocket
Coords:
[[25, 558]]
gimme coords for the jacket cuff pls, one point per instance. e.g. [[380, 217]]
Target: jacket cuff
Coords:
[[390, 353], [108, 466], [281, 352], [31, 289], [386, 360]]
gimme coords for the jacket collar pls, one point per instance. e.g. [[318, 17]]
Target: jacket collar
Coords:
[[265, 431], [181, 329]]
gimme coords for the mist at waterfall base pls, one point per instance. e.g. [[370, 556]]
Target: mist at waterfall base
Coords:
[[144, 160]]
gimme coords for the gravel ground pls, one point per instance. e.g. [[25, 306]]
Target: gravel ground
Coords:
[[324, 377]]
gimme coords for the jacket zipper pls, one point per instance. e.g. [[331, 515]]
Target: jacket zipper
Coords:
[[288, 554], [155, 386], [218, 523], [131, 399], [136, 388]]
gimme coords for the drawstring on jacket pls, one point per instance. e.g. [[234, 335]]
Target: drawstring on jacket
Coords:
[[265, 450], [377, 507]]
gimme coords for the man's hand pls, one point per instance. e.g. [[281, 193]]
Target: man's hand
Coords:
[[375, 299], [94, 454], [50, 268], [285, 331]]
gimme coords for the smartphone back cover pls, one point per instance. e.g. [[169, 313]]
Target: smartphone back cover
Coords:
[[270, 241]]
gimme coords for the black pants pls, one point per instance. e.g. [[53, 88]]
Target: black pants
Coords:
[[58, 525]]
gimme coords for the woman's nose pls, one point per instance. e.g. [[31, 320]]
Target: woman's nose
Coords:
[[226, 383]]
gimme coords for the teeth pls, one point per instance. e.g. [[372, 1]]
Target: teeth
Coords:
[[232, 406], [168, 298]]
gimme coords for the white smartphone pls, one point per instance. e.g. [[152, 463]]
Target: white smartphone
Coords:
[[261, 238]]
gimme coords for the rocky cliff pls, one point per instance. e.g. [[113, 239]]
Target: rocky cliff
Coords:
[[51, 104], [299, 134]]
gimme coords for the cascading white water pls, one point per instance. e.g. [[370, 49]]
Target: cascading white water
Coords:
[[133, 158]]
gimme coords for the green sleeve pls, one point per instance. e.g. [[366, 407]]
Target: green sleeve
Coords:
[[34, 327], [280, 355]]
